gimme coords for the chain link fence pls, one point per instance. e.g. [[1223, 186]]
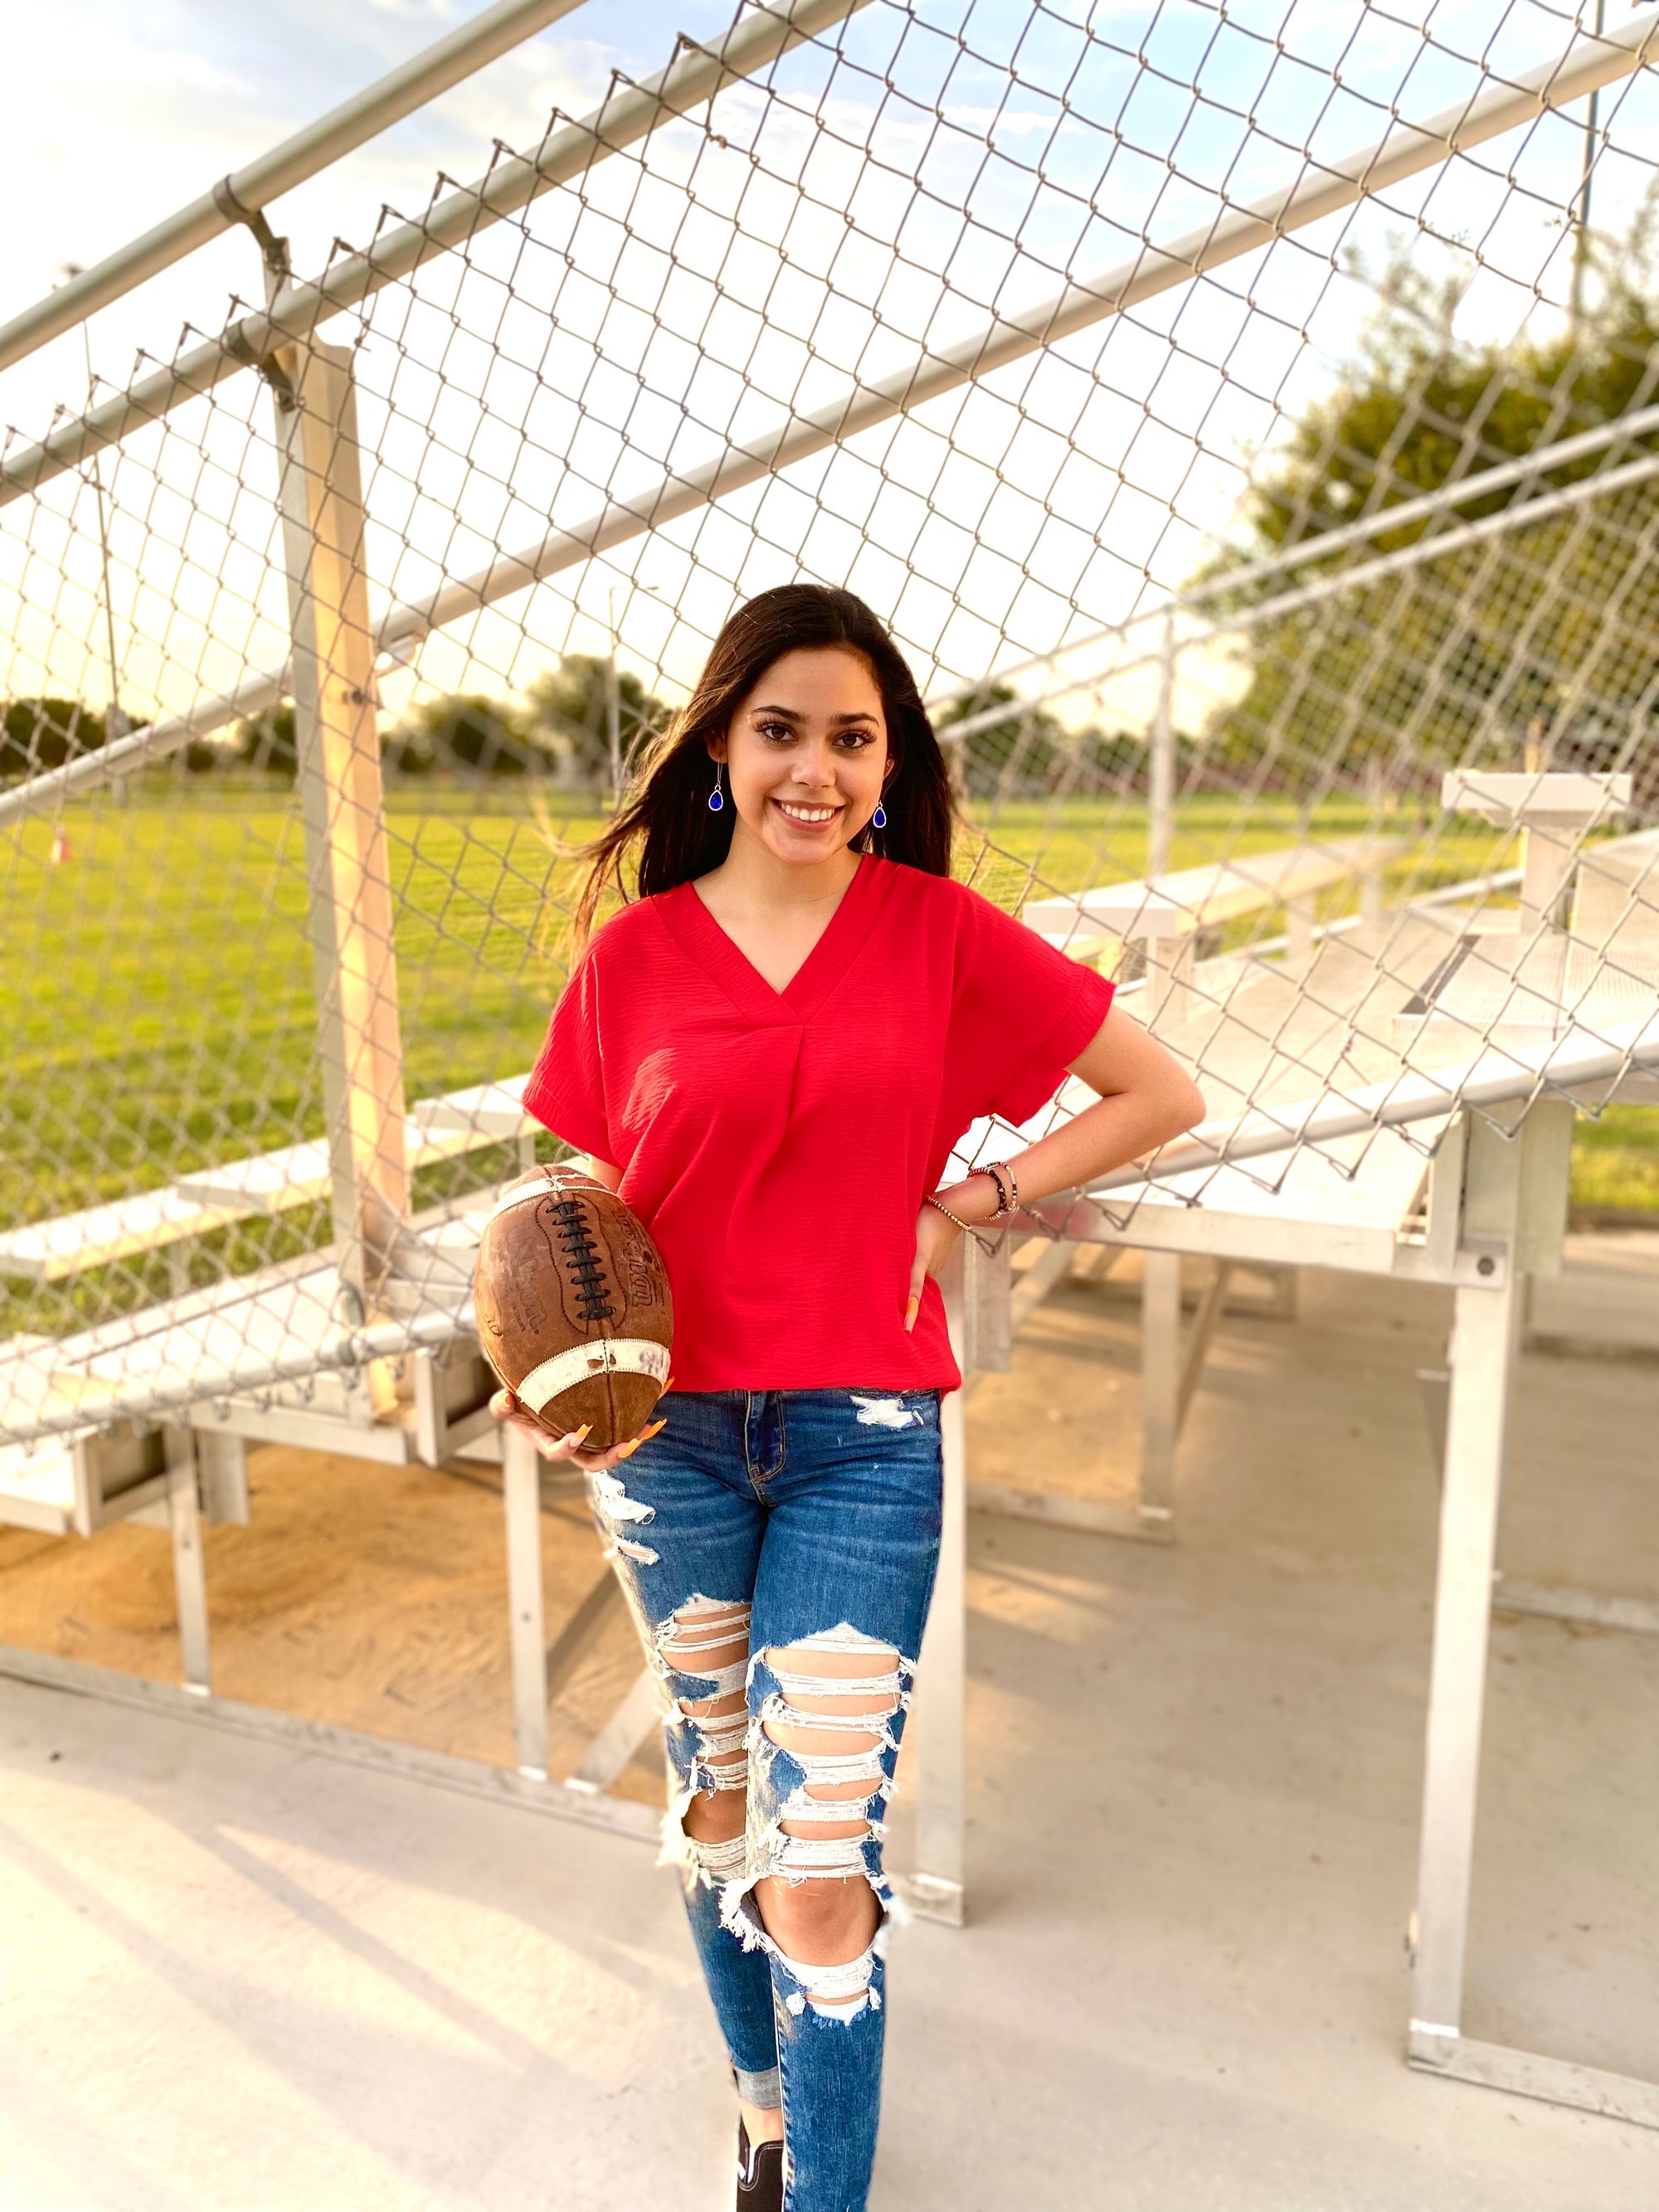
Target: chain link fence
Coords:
[[1248, 429]]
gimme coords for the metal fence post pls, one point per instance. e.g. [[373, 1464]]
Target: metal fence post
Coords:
[[1161, 760], [937, 1760], [349, 890], [1160, 1376], [189, 1568], [521, 1499], [1484, 1338]]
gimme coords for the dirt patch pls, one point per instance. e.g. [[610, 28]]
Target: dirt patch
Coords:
[[368, 1597]]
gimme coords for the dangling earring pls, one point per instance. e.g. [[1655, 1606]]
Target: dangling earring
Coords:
[[878, 819], [716, 797]]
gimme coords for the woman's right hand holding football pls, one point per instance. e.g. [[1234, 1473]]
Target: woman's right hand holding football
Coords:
[[506, 1408]]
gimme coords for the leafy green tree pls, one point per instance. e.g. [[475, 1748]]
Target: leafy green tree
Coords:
[[267, 742], [567, 712], [1546, 636], [36, 734], [465, 731], [1022, 753]]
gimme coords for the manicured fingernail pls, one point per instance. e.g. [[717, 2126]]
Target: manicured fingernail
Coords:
[[668, 1386], [628, 1450], [655, 1429], [576, 1435], [910, 1313]]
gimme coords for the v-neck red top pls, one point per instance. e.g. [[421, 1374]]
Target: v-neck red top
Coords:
[[778, 1145]]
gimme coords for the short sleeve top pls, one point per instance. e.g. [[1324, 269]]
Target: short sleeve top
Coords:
[[778, 1145]]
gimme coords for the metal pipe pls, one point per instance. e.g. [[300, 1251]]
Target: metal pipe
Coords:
[[142, 1400], [613, 707], [157, 741], [367, 113], [1586, 180], [1408, 148], [1161, 764], [409, 625], [1495, 1079], [691, 80], [676, 496], [1563, 452], [1329, 587], [1405, 149]]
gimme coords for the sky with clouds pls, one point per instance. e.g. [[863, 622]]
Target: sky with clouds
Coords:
[[132, 115], [132, 112]]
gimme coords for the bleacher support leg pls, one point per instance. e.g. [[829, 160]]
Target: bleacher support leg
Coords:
[[1484, 1341], [1160, 1380], [189, 1570], [521, 1492], [935, 1742]]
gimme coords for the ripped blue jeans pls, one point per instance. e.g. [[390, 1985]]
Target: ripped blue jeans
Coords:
[[778, 1549]]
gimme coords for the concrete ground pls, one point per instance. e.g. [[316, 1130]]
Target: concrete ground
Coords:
[[238, 1979]]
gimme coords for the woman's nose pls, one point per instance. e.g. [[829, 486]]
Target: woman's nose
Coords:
[[815, 770]]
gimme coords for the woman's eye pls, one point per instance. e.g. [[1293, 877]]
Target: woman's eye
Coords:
[[854, 741], [779, 732]]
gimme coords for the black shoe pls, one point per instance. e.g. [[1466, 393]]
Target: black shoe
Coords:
[[760, 2174]]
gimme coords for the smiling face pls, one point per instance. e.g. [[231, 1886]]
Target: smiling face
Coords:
[[806, 754]]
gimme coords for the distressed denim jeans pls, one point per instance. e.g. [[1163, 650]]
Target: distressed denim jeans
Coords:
[[779, 1544]]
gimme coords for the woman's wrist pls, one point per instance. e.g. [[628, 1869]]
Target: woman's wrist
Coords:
[[976, 1199]]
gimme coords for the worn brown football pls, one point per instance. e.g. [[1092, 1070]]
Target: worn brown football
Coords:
[[573, 1305]]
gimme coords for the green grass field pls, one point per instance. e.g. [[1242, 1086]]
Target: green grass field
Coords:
[[156, 1005]]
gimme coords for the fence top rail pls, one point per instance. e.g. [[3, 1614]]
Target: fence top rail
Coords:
[[234, 198], [1321, 188], [692, 79], [1461, 489], [1258, 613], [157, 740], [629, 112]]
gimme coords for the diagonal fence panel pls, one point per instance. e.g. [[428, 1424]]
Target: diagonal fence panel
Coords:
[[1240, 440]]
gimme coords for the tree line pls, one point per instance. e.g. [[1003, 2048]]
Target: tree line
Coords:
[[1540, 645], [560, 729]]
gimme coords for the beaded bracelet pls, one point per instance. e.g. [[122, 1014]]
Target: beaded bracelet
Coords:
[[1002, 1174], [966, 1227], [1007, 1190]]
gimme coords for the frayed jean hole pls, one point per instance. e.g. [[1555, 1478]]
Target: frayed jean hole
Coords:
[[857, 1654], [798, 1740], [885, 1413], [610, 1495]]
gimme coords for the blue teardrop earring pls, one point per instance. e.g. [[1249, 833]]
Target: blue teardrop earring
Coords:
[[716, 797], [878, 819]]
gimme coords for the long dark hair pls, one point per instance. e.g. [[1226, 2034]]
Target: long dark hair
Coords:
[[668, 813]]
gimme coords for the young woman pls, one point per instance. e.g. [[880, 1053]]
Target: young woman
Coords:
[[770, 1053]]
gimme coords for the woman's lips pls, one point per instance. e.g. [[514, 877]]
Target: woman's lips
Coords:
[[807, 814]]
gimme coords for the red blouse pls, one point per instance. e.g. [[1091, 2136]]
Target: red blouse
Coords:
[[777, 1144]]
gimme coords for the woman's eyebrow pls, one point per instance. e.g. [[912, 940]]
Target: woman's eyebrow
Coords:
[[794, 715]]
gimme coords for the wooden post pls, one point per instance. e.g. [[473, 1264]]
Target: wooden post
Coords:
[[348, 885]]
